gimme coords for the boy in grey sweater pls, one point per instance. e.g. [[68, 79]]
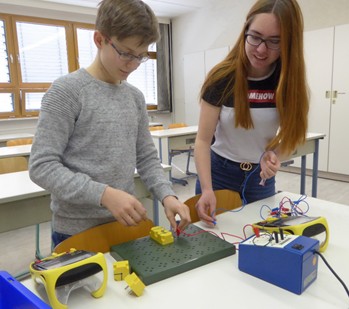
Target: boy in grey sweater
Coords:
[[93, 132]]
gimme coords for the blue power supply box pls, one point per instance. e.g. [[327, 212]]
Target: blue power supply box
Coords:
[[289, 263]]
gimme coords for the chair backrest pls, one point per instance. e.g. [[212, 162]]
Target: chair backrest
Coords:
[[100, 238], [226, 200], [13, 164], [156, 128], [177, 125], [20, 141]]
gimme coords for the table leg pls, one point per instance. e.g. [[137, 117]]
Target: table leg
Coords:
[[315, 169], [303, 173], [155, 211]]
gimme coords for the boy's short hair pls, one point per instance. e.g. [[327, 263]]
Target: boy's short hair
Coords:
[[127, 18]]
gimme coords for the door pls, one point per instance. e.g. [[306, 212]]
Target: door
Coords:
[[318, 53], [339, 139]]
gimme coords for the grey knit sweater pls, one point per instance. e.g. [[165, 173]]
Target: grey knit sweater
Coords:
[[91, 134]]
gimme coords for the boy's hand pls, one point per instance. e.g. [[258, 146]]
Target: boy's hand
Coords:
[[174, 207], [124, 207]]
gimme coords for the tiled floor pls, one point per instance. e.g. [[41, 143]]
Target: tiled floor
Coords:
[[18, 246]]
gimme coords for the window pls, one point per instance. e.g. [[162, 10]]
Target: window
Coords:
[[144, 78], [42, 52], [6, 100], [31, 57], [86, 47], [38, 51]]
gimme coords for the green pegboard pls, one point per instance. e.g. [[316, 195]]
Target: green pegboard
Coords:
[[153, 262]]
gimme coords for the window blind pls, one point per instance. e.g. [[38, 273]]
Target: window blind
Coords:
[[86, 47], [42, 51], [33, 101], [6, 102], [145, 79], [4, 58]]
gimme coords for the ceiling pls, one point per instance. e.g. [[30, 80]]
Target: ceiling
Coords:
[[162, 8]]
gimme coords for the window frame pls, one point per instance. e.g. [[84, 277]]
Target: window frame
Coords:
[[77, 26], [20, 88], [10, 87]]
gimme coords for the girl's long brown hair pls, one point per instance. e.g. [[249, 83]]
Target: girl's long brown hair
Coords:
[[292, 99]]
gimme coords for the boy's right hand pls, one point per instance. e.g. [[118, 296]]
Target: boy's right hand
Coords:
[[124, 207]]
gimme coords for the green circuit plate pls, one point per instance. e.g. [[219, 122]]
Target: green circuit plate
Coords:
[[153, 262]]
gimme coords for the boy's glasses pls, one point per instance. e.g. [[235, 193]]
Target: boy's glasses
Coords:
[[256, 41], [127, 56]]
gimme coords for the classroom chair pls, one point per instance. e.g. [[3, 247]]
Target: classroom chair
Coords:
[[155, 128], [178, 151], [226, 200], [101, 237], [13, 164], [20, 141]]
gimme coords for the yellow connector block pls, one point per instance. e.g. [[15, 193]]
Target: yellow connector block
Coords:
[[161, 235], [135, 284], [121, 270]]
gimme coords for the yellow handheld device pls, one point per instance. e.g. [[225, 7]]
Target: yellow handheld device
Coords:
[[62, 273], [314, 227]]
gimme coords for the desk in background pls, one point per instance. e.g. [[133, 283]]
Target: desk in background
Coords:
[[221, 285], [165, 140], [155, 124], [23, 203], [6, 137], [311, 146], [176, 138], [15, 151]]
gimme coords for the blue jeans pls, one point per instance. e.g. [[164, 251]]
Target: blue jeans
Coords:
[[58, 238], [227, 174]]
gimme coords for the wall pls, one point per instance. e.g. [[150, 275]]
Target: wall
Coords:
[[219, 25]]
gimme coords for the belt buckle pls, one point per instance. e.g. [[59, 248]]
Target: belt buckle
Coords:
[[246, 166]]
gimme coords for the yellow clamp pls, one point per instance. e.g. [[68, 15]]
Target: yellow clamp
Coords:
[[135, 284], [121, 270], [161, 235]]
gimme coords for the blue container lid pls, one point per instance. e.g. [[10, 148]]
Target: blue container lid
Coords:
[[14, 294]]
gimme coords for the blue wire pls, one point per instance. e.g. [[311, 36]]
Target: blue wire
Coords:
[[244, 201]]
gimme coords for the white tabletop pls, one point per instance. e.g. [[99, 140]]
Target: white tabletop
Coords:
[[313, 135], [155, 124], [175, 132], [194, 129], [6, 137], [18, 186], [15, 151], [221, 285]]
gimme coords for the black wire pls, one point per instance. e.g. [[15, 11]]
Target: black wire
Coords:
[[333, 272]]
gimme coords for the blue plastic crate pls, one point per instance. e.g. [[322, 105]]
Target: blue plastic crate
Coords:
[[15, 295]]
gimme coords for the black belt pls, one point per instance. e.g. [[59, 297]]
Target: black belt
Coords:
[[245, 166]]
